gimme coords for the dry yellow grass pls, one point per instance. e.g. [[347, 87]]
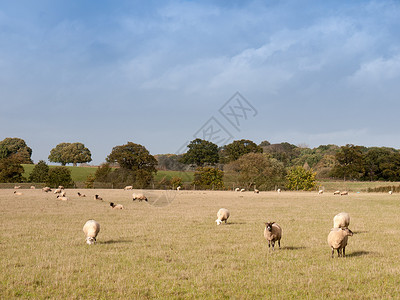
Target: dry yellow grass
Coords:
[[178, 251]]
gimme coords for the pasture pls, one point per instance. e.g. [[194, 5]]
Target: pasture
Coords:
[[178, 251]]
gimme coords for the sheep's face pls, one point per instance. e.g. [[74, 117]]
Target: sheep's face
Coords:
[[348, 231], [218, 221], [269, 226], [90, 240]]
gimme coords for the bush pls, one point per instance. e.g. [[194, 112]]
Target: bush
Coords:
[[300, 179], [59, 176], [11, 170], [40, 172], [209, 178]]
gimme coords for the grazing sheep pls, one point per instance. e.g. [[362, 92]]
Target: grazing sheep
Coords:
[[128, 187], [32, 187], [390, 192], [97, 197], [81, 195], [337, 239], [17, 187], [178, 188], [320, 192], [62, 198], [278, 190], [256, 191], [237, 190], [91, 230], [222, 215], [242, 190], [273, 233], [139, 197], [46, 189], [17, 193], [61, 187], [116, 206], [57, 191], [336, 192], [341, 220], [344, 193]]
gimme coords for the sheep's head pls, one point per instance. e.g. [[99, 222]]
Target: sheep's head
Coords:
[[218, 221], [269, 226], [348, 231], [90, 240]]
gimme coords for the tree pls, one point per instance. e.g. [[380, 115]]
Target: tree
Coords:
[[209, 178], [201, 153], [236, 149], [256, 170], [283, 152], [299, 178], [40, 172], [66, 153], [11, 170], [138, 166], [103, 172], [382, 164], [349, 162], [17, 148], [59, 176]]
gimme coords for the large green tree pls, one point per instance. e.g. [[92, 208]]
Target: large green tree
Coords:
[[349, 162], [66, 153], [11, 170], [382, 164], [40, 172], [59, 176], [137, 165], [208, 178], [200, 153], [17, 148], [299, 178], [236, 149]]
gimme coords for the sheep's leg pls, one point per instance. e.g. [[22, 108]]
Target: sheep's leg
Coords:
[[333, 252], [279, 243], [338, 253], [344, 252], [273, 245]]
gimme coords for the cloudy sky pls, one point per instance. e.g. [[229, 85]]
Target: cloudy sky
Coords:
[[160, 73]]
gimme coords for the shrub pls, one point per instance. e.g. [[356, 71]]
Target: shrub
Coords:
[[300, 179], [40, 172], [209, 178], [59, 176]]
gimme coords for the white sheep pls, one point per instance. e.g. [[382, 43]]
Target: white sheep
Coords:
[[178, 188], [256, 191], [17, 193], [17, 187], [222, 215], [81, 195], [278, 190], [97, 197], [341, 220], [337, 239], [237, 190], [139, 197], [116, 206], [32, 187], [57, 191], [62, 198], [128, 187], [91, 230], [273, 233], [390, 192], [344, 193], [320, 192], [336, 192], [63, 193], [61, 187], [242, 190], [46, 189]]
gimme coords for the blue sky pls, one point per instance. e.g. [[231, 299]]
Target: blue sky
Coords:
[[154, 72]]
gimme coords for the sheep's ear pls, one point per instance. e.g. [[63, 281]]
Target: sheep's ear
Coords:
[[272, 223]]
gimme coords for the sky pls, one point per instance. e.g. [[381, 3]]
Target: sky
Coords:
[[162, 73]]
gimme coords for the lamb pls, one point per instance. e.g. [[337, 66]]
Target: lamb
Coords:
[[97, 197], [222, 215], [46, 189], [237, 190], [242, 190], [273, 233], [337, 239], [116, 206], [341, 220], [91, 230], [139, 197], [17, 193], [62, 198], [256, 191], [336, 192], [320, 192], [128, 187], [344, 193], [81, 195]]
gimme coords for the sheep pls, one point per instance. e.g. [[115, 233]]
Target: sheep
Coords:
[[242, 190], [17, 187], [390, 192], [46, 189], [222, 215], [116, 206], [32, 187], [61, 187], [344, 193], [237, 190], [178, 188], [57, 191], [320, 192], [81, 195], [256, 191], [128, 187], [62, 198], [336, 192], [63, 193], [273, 233], [278, 190], [341, 220], [97, 197], [17, 193], [91, 230], [337, 239], [139, 197]]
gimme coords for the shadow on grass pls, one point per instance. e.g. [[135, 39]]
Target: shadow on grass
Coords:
[[115, 242], [360, 232], [357, 253], [293, 248], [234, 223]]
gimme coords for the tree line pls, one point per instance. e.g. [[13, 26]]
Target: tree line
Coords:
[[242, 162]]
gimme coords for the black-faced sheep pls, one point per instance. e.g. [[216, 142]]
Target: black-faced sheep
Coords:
[[344, 193], [91, 230], [62, 198], [273, 233], [337, 240], [139, 197], [256, 191], [116, 206], [97, 197], [81, 195], [17, 193], [222, 215]]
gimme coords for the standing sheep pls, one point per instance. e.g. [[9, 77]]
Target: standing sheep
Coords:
[[344, 193], [337, 239], [128, 187], [222, 215], [273, 233], [390, 192], [91, 230], [278, 190], [341, 220], [336, 192], [256, 191], [139, 197]]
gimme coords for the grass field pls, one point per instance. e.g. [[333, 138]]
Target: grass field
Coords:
[[178, 252]]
